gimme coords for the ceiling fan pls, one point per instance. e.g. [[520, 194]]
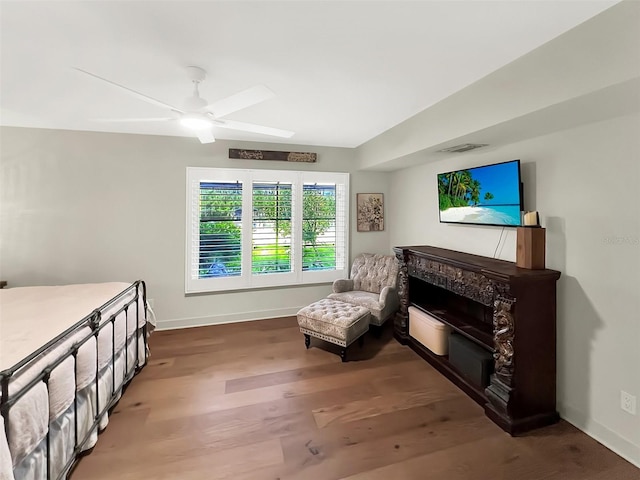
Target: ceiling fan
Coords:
[[200, 116]]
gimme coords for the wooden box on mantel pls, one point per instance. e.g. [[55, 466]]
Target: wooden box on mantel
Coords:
[[530, 247]]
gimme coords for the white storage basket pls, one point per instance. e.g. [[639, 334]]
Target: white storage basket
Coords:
[[430, 332]]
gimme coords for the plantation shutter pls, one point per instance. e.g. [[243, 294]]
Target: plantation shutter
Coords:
[[271, 229], [319, 226], [220, 232], [264, 228], [342, 225]]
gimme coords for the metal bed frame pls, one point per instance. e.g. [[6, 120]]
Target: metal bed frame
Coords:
[[95, 322]]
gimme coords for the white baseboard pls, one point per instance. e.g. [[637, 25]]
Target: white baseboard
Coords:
[[226, 318], [602, 434]]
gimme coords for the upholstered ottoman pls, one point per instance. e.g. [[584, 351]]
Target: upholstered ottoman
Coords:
[[335, 322]]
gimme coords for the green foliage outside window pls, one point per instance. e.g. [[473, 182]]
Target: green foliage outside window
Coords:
[[221, 234]]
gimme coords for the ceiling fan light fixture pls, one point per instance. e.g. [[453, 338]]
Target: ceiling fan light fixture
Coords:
[[195, 121], [198, 116]]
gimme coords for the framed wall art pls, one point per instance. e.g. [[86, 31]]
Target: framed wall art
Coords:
[[370, 209]]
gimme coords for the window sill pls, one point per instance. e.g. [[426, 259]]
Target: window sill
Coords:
[[209, 291]]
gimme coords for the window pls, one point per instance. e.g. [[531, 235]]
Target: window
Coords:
[[261, 228], [318, 226], [219, 254], [271, 229]]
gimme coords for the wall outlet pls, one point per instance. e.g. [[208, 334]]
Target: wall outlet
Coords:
[[627, 402], [150, 302]]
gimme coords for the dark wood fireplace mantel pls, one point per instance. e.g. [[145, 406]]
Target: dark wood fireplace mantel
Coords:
[[507, 310]]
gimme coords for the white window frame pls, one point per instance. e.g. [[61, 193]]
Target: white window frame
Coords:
[[247, 280]]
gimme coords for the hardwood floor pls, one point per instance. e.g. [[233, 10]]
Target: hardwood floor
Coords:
[[247, 401]]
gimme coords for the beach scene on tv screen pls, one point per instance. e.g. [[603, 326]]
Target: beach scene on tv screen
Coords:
[[485, 195]]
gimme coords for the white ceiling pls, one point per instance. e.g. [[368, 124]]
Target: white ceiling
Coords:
[[343, 72]]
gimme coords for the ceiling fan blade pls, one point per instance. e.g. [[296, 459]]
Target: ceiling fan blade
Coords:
[[250, 127], [205, 136], [155, 119], [240, 100], [139, 95]]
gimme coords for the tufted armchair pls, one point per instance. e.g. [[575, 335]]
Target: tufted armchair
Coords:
[[372, 285]]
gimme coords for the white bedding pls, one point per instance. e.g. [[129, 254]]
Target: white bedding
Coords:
[[32, 316]]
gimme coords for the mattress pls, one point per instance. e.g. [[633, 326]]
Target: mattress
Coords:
[[30, 317]]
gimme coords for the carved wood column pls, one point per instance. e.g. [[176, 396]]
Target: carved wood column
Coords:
[[500, 392], [401, 319]]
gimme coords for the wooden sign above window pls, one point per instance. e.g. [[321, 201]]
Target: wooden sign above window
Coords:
[[306, 157]]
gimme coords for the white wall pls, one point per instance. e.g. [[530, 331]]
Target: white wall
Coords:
[[584, 182], [89, 207]]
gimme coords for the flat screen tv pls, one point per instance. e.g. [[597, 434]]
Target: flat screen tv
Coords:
[[486, 195]]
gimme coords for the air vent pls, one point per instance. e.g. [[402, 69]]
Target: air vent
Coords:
[[463, 147]]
